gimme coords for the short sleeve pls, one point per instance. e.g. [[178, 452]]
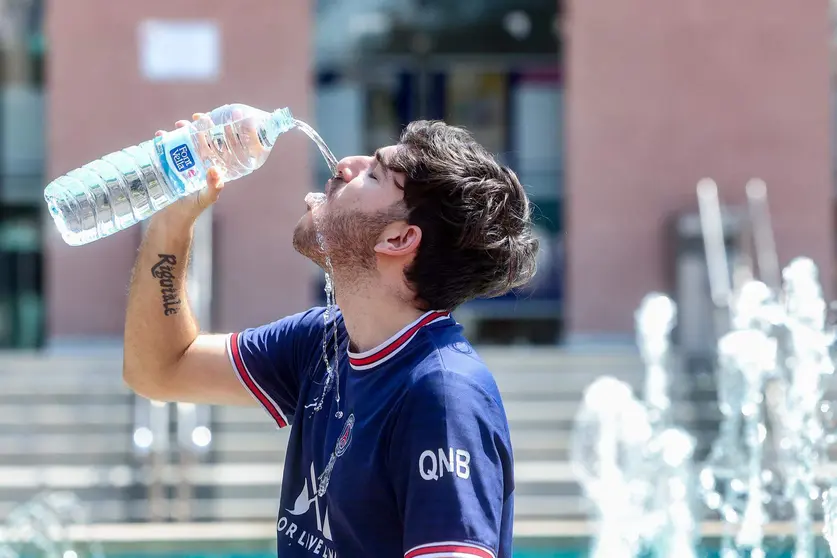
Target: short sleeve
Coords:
[[451, 462], [269, 360]]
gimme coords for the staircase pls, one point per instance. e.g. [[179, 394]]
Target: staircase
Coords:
[[66, 423]]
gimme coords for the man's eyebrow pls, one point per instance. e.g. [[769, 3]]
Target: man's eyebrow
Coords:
[[380, 158]]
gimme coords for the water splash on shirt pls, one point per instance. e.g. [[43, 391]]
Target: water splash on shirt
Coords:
[[332, 378]]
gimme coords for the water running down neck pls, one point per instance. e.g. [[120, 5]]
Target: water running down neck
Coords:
[[332, 378]]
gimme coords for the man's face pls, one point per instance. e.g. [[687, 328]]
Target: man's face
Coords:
[[350, 218]]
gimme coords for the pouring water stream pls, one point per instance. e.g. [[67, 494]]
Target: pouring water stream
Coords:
[[332, 378]]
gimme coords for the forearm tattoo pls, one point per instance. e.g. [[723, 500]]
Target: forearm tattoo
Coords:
[[164, 272]]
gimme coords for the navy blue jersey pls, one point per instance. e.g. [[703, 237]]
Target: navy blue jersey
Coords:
[[414, 458]]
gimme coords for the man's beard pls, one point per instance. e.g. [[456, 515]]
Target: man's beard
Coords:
[[345, 240]]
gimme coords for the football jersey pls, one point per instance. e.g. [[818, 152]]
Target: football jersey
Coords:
[[412, 459]]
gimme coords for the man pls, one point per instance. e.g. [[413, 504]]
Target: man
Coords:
[[402, 448]]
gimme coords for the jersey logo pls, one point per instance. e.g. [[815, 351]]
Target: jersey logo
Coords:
[[345, 437], [340, 447], [449, 462], [303, 502]]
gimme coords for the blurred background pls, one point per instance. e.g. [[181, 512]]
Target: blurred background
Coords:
[[610, 112]]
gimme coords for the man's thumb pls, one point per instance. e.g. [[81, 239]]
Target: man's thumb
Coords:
[[214, 184]]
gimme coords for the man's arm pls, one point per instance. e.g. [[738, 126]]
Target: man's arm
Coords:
[[165, 356]]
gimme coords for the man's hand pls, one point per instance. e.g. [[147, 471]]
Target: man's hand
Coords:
[[186, 211]]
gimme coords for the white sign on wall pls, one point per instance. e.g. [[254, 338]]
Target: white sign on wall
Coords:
[[178, 50]]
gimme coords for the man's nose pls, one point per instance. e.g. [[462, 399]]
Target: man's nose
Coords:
[[351, 167]]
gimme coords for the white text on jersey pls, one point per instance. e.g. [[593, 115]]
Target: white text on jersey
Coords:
[[448, 461]]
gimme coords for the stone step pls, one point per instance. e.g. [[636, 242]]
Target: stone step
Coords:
[[521, 415], [109, 439], [118, 413], [541, 358], [122, 427], [60, 385], [89, 459], [76, 415], [531, 477], [79, 443], [70, 399], [66, 418], [521, 411], [265, 508], [228, 442], [512, 383], [528, 444], [544, 476]]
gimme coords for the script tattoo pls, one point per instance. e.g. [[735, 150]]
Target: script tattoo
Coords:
[[164, 271]]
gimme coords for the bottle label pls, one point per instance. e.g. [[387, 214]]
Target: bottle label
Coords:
[[176, 154], [182, 158]]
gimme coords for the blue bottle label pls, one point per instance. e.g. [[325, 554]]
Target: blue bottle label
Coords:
[[182, 158], [176, 154]]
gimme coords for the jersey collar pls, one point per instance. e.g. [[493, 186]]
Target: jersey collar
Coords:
[[395, 344]]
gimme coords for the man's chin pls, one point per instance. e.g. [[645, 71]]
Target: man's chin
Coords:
[[305, 241]]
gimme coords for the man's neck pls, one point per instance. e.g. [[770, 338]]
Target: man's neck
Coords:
[[371, 319]]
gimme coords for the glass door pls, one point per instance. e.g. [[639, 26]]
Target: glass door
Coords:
[[21, 291], [491, 66]]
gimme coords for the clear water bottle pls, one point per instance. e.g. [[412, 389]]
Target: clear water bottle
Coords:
[[127, 186]]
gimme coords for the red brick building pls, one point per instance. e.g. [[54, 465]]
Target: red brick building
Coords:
[[611, 112]]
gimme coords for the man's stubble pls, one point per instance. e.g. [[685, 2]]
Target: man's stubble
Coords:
[[347, 238]]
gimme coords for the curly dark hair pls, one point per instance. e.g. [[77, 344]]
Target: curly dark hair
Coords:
[[473, 213]]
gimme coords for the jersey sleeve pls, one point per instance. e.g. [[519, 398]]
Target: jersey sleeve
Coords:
[[269, 361], [451, 464]]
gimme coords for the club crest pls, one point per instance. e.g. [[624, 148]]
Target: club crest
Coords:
[[345, 437]]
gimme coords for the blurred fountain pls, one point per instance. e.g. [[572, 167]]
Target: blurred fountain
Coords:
[[633, 463], [773, 436], [773, 351], [672, 504], [610, 435], [42, 527], [807, 361]]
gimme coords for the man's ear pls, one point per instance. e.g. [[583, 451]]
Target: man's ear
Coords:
[[399, 239]]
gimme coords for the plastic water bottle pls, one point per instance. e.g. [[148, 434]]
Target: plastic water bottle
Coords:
[[127, 186]]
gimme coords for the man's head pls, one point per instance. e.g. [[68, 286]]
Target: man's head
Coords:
[[434, 218]]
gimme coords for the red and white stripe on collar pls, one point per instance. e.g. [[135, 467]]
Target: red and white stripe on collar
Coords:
[[450, 549], [395, 344], [250, 383]]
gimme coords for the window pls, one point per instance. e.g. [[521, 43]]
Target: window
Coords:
[[22, 152]]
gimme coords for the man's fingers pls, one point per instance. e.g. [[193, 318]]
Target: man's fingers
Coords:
[[214, 183], [203, 121], [214, 178]]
